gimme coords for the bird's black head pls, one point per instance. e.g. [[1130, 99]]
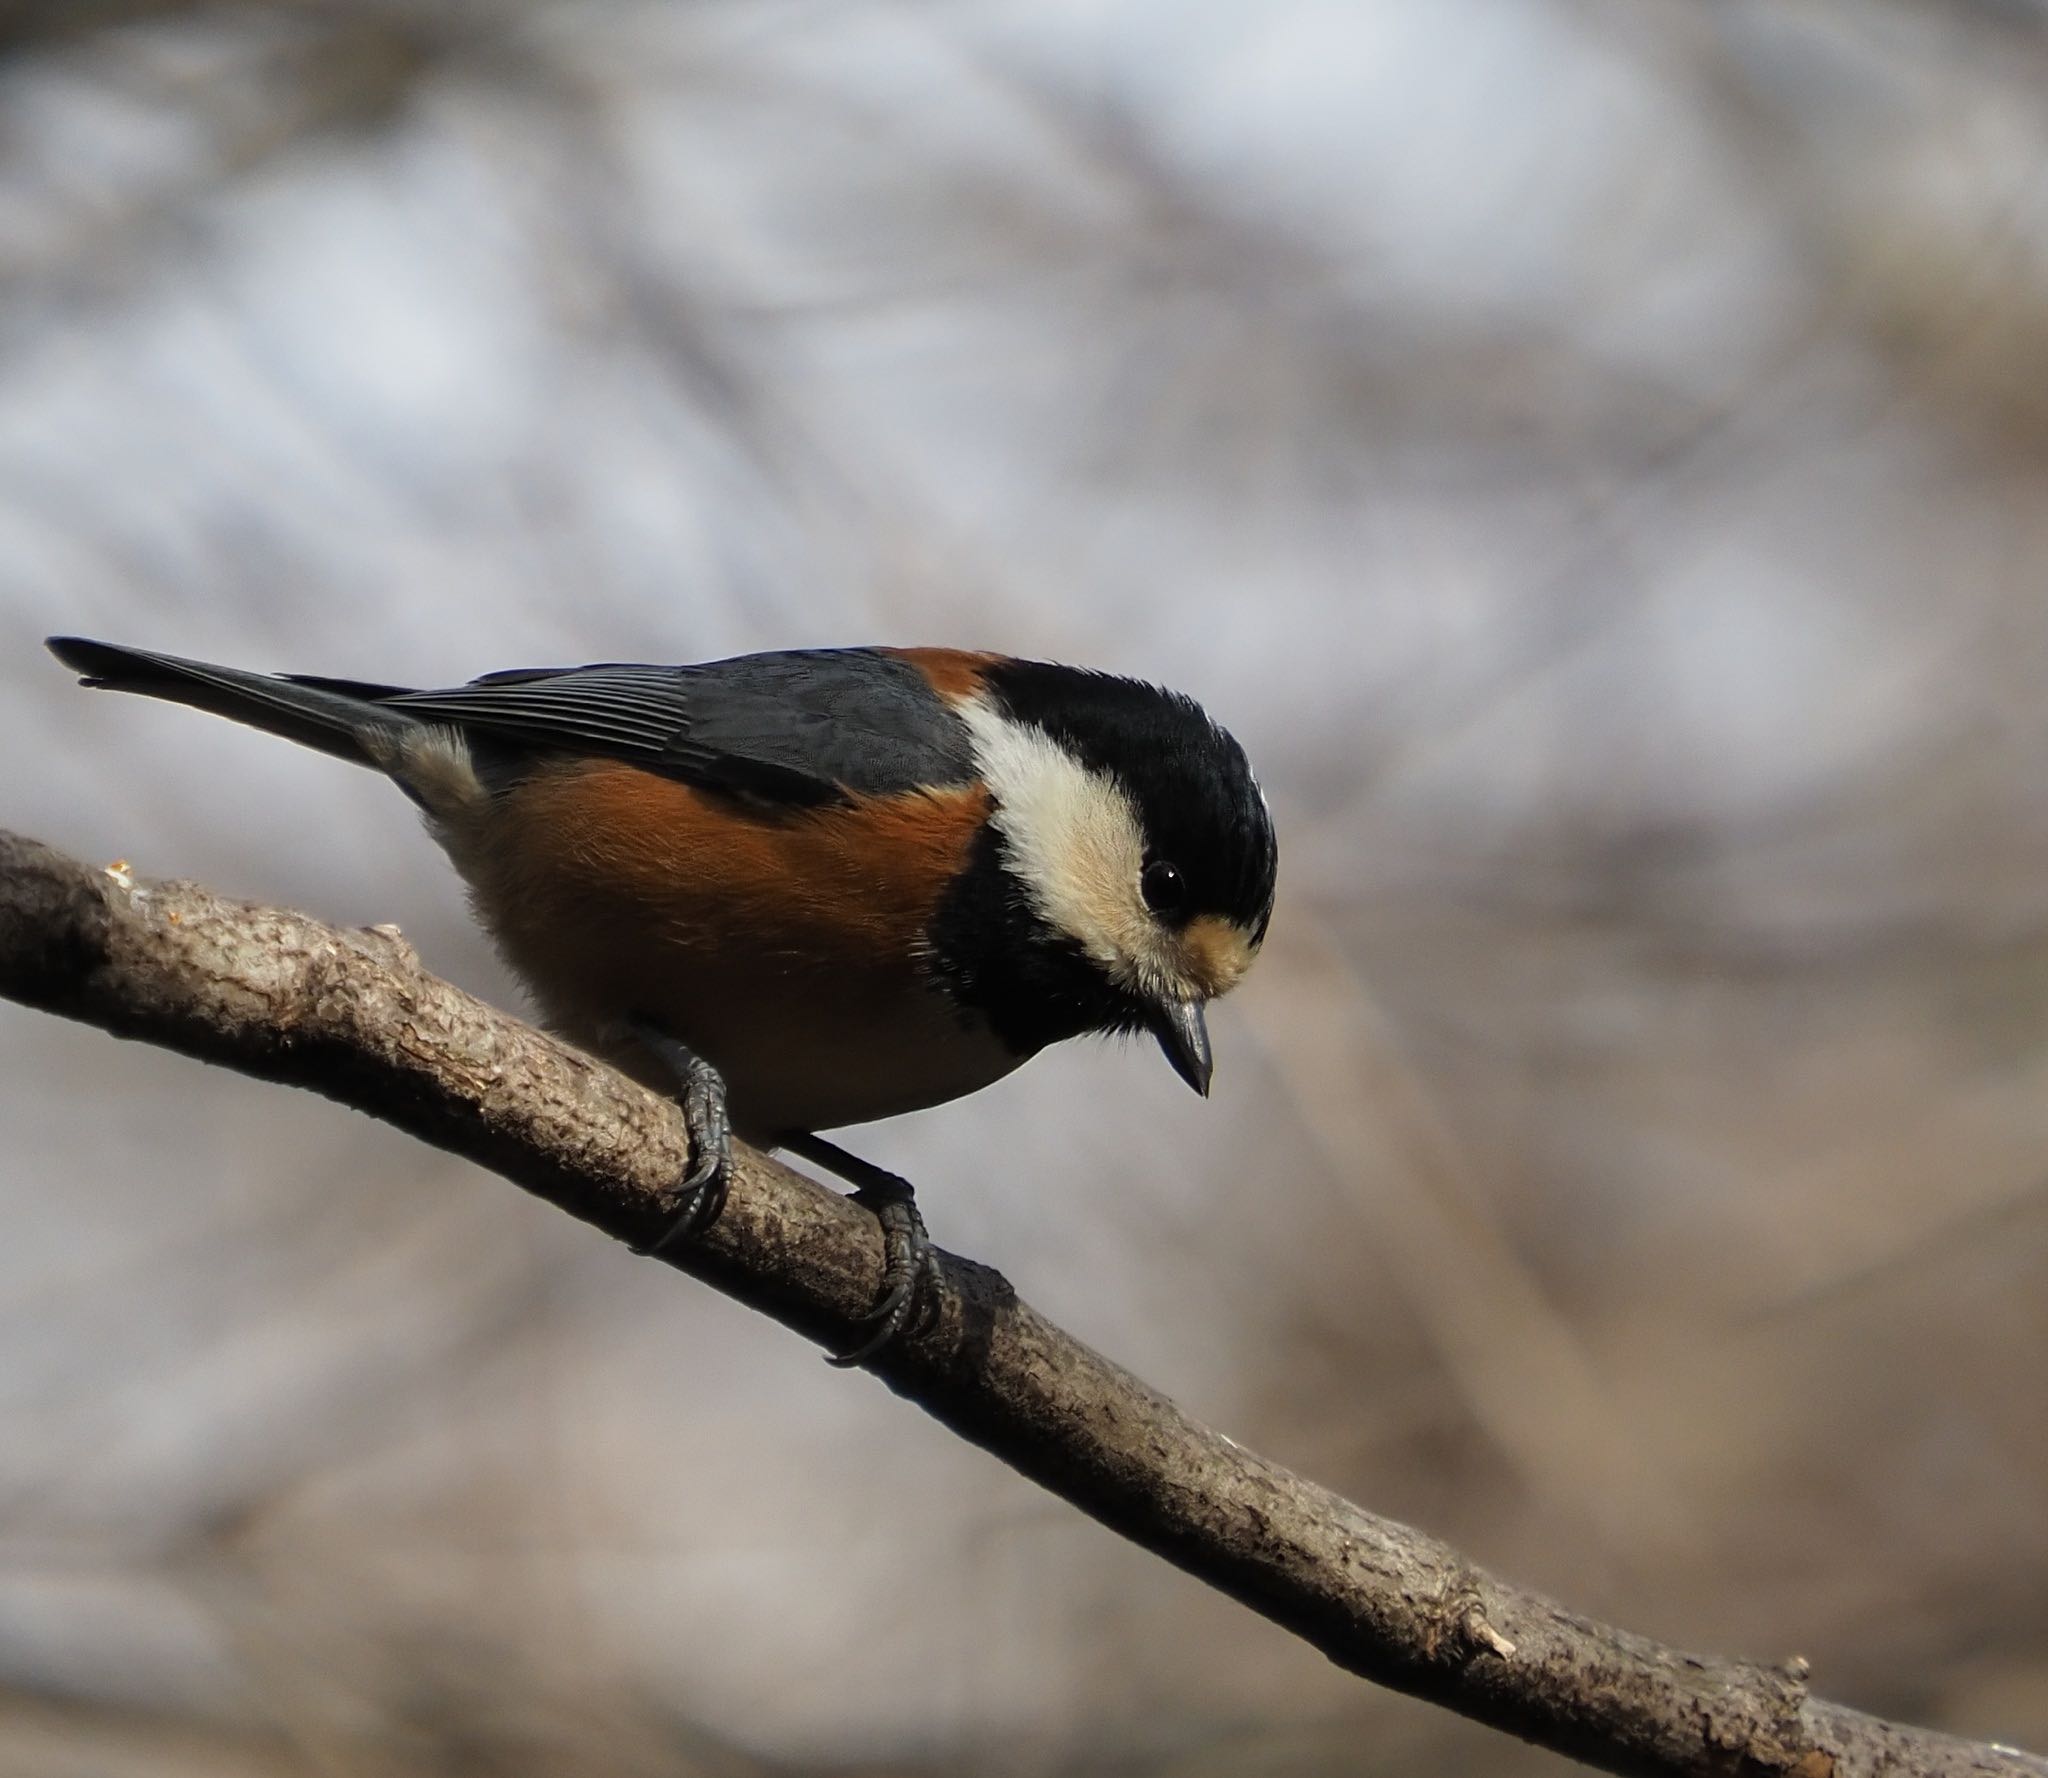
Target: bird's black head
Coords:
[[1129, 866]]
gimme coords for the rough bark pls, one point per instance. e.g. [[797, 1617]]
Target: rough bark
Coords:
[[351, 1014]]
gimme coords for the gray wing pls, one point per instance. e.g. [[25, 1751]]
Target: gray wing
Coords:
[[803, 727]]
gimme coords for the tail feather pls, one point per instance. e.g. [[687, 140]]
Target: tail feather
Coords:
[[336, 716]]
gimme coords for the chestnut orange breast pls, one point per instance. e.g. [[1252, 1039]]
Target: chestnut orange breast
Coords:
[[783, 945]]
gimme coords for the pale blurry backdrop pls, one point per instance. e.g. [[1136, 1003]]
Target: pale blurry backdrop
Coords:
[[1590, 451]]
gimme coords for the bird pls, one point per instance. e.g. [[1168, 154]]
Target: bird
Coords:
[[812, 888]]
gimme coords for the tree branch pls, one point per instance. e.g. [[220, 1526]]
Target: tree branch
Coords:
[[351, 1014]]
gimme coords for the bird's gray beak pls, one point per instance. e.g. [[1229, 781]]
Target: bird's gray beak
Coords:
[[1184, 1035]]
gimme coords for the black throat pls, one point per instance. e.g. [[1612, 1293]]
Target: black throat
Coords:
[[999, 960]]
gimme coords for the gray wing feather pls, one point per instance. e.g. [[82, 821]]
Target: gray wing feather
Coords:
[[802, 727]]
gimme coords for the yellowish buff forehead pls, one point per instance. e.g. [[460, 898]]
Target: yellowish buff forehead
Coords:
[[1215, 954]]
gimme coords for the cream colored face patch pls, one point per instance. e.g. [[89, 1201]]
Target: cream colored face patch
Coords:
[[1070, 835], [1073, 839]]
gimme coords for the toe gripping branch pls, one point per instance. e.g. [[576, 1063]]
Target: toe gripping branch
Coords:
[[700, 1091], [912, 1286]]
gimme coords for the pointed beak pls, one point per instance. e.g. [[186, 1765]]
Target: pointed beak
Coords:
[[1184, 1036]]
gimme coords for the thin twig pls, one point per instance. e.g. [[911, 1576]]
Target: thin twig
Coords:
[[351, 1014]]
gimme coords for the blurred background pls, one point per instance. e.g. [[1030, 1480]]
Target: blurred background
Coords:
[[1590, 452]]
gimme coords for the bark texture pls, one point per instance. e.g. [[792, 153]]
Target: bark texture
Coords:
[[352, 1014]]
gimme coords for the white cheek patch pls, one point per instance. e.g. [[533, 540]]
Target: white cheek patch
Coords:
[[1070, 836]]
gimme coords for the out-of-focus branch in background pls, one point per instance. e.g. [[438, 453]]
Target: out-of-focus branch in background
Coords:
[[1591, 452], [353, 1016]]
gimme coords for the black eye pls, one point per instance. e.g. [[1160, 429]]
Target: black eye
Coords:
[[1164, 888]]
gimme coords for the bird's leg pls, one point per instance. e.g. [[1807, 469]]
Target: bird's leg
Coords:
[[700, 1091], [911, 1282]]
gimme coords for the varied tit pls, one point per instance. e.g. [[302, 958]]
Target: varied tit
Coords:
[[813, 888]]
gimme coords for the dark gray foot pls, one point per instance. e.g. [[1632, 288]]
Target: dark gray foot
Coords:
[[912, 1287], [700, 1091]]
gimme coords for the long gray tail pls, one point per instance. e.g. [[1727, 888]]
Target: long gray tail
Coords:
[[337, 716]]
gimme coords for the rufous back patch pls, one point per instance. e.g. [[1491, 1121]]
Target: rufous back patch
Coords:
[[954, 673]]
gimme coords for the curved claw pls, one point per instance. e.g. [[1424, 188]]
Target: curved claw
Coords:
[[895, 1298], [700, 1197], [896, 1308], [912, 1285], [700, 1200]]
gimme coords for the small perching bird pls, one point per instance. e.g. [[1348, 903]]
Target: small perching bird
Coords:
[[813, 888]]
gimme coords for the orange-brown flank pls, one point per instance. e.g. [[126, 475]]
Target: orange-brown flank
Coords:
[[779, 944]]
